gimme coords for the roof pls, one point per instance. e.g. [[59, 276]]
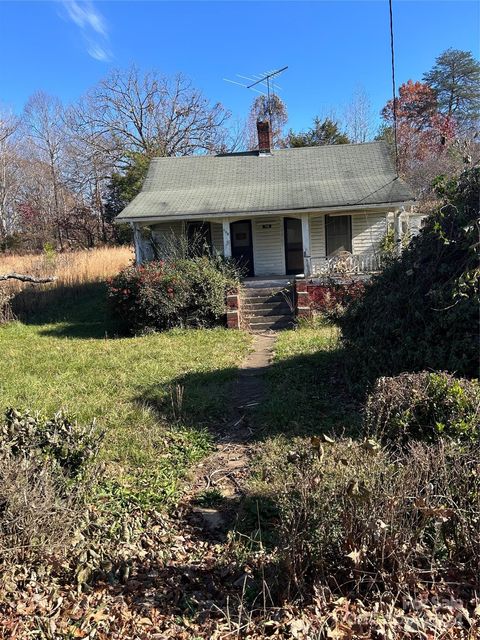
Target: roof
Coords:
[[307, 178]]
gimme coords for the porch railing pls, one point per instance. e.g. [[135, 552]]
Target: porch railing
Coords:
[[345, 264]]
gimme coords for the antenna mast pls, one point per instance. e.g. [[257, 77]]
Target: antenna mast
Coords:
[[265, 79]]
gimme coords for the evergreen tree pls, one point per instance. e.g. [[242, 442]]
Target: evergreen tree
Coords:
[[123, 187], [455, 79], [322, 133]]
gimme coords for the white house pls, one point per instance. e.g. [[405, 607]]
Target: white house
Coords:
[[279, 212]]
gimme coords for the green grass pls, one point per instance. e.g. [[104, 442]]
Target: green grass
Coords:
[[306, 391], [133, 387]]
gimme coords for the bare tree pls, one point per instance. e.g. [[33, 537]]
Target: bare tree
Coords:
[[88, 167], [43, 117], [358, 117], [9, 124], [151, 114], [275, 111]]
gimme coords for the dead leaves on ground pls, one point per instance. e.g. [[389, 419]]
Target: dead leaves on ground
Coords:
[[182, 585]]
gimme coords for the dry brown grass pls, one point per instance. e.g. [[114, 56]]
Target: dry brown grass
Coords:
[[71, 270], [77, 267]]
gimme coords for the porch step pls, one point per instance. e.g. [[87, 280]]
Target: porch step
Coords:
[[266, 308], [282, 323], [278, 294]]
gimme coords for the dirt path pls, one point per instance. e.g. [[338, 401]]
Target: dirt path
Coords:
[[225, 470]]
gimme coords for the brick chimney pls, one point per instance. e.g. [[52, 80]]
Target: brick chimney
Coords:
[[264, 136]]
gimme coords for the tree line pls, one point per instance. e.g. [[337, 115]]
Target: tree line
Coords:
[[66, 171]]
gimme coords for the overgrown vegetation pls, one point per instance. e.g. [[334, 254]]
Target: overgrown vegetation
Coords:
[[422, 311], [423, 406], [353, 517], [46, 473], [75, 273], [183, 292]]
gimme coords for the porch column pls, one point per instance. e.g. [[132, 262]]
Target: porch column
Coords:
[[306, 245], [138, 242], [227, 241], [397, 231]]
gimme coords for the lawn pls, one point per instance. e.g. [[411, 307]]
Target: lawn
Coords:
[[65, 358], [306, 392]]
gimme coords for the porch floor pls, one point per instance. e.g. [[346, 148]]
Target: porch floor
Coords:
[[267, 282]]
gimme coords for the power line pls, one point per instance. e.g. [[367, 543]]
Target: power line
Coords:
[[394, 89]]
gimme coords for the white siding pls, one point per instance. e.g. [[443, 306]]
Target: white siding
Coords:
[[217, 236], [368, 230], [268, 246], [317, 236], [166, 232]]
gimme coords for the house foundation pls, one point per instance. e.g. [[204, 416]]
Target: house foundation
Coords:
[[324, 294]]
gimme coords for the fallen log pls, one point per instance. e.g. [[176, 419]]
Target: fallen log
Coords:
[[26, 278]]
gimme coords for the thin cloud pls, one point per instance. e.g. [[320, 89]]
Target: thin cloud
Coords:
[[99, 53], [92, 27]]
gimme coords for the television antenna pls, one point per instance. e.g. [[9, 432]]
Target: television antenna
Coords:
[[258, 83]]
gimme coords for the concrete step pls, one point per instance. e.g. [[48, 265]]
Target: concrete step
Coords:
[[271, 326], [267, 293], [260, 307], [276, 297], [269, 318]]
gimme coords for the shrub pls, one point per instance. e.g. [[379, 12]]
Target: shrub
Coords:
[[45, 476], [421, 312], [66, 446], [164, 294], [38, 515], [332, 297], [423, 406], [353, 516]]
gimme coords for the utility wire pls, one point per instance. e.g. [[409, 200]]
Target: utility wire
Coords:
[[394, 89]]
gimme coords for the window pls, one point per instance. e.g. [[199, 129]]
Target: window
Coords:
[[338, 230]]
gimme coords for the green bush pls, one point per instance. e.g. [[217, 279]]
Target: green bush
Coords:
[[421, 312], [356, 517], [164, 294], [423, 406]]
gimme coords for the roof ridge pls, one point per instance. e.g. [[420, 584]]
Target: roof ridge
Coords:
[[254, 153]]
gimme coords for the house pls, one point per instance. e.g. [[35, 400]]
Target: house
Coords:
[[280, 212]]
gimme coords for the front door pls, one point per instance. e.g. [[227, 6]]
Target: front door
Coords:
[[242, 246], [293, 246]]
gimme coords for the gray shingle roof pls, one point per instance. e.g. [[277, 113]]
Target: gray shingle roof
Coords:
[[304, 178]]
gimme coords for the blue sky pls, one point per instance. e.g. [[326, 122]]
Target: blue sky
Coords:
[[331, 48]]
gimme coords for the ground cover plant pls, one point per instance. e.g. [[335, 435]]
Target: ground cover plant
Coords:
[[306, 388], [348, 520], [336, 531], [422, 311]]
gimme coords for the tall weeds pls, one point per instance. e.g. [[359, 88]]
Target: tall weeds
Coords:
[[73, 272]]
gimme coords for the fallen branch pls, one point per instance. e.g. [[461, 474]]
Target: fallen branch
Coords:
[[26, 278]]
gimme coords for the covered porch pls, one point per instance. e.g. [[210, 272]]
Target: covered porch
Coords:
[[292, 244]]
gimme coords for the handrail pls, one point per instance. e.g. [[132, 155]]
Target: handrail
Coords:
[[348, 264]]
